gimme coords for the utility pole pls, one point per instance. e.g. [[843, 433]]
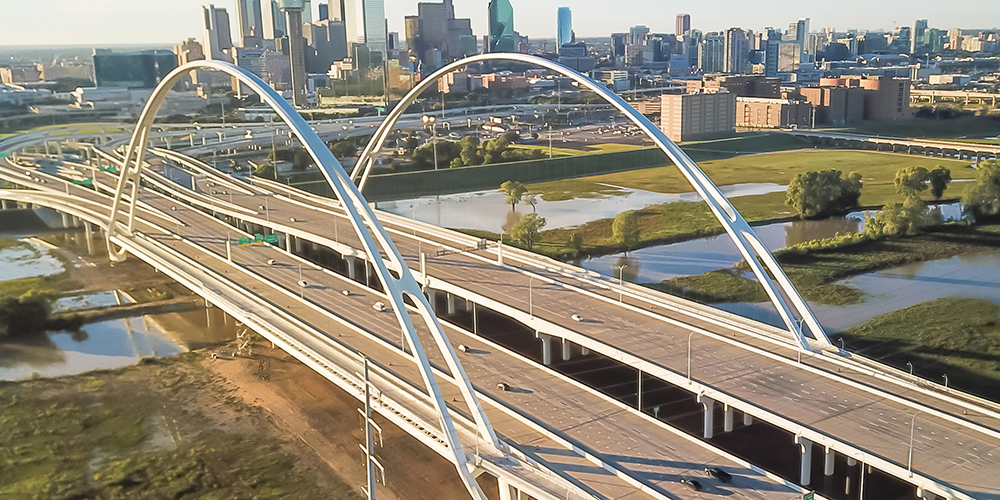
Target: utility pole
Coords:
[[370, 461]]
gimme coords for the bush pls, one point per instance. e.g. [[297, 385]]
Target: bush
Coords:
[[824, 193], [625, 229], [982, 196], [527, 231], [899, 219]]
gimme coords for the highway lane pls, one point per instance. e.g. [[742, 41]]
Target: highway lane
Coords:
[[550, 399], [871, 422]]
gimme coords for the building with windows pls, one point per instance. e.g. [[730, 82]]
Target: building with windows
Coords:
[[637, 34], [574, 55], [217, 38], [502, 36], [250, 26], [683, 24], [835, 105], [917, 33], [564, 27], [737, 51], [757, 113], [618, 43], [273, 23], [435, 36], [134, 70], [701, 115], [711, 53]]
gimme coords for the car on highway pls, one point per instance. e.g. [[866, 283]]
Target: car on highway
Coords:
[[691, 483], [719, 474]]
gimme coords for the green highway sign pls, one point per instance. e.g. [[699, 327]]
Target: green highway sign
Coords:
[[809, 496], [244, 242], [4, 155], [258, 238], [271, 238]]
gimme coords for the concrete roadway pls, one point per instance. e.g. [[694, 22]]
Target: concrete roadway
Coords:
[[945, 450], [653, 452]]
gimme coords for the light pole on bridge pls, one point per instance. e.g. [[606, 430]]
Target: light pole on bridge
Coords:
[[621, 284], [689, 356], [909, 460]]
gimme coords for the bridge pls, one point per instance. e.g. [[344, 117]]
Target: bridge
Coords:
[[973, 151], [598, 408], [958, 96]]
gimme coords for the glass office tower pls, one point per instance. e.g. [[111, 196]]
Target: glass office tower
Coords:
[[502, 36], [564, 30]]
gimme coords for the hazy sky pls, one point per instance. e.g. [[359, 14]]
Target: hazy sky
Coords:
[[97, 22]]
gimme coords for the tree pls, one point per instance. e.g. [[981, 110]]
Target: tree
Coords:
[[895, 219], [575, 243], [344, 148], [939, 179], [818, 194], [982, 196], [514, 191], [470, 151], [528, 229], [265, 170], [410, 144], [625, 229], [911, 181], [531, 199]]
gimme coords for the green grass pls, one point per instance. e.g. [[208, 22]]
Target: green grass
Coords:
[[956, 336], [815, 272], [88, 437], [678, 221], [994, 142], [975, 126]]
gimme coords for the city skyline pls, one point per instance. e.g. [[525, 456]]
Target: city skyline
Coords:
[[181, 19]]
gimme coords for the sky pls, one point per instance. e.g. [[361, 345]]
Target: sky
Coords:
[[112, 22]]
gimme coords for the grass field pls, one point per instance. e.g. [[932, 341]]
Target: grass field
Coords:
[[590, 149], [956, 336], [683, 220], [146, 431]]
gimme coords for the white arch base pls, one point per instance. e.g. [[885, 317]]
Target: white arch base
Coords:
[[786, 299], [365, 225]]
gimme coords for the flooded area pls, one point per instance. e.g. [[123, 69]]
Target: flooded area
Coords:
[[113, 343], [27, 260], [91, 300], [488, 210]]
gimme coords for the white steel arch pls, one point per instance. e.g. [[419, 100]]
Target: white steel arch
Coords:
[[365, 224], [786, 299]]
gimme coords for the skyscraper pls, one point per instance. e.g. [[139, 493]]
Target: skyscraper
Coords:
[[273, 23], [250, 22], [307, 13], [771, 47], [798, 32], [503, 38], [217, 38], [296, 50], [683, 24], [711, 53], [618, 43], [365, 24], [324, 12], [917, 35], [637, 34], [737, 51], [564, 28]]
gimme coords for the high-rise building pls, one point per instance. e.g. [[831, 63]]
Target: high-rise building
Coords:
[[296, 49], [711, 53], [365, 24], [703, 115], [132, 69], [737, 51], [564, 27], [307, 12], [954, 39], [618, 43], [637, 34], [917, 35], [336, 10], [771, 45], [250, 59], [273, 22], [324, 12], [683, 24], [798, 32], [435, 28], [250, 25], [217, 38], [503, 38]]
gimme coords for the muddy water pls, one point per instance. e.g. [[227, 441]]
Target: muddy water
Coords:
[[113, 343], [487, 210]]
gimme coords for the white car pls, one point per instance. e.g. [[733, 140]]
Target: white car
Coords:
[[378, 306]]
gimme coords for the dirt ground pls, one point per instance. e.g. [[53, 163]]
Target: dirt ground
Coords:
[[308, 406]]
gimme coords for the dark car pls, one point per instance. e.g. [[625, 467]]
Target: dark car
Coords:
[[691, 483], [719, 474]]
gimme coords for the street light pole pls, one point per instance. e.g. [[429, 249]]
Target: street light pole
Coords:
[[945, 380], [621, 272], [909, 460], [229, 246], [531, 306], [911, 367], [689, 357]]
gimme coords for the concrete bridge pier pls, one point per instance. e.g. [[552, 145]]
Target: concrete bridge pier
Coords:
[[288, 243], [351, 269], [747, 420], [709, 405], [507, 491], [847, 483], [926, 495], [431, 298], [828, 460], [89, 231], [584, 351], [805, 467], [727, 421], [4, 204], [451, 304], [66, 224], [546, 347], [565, 349]]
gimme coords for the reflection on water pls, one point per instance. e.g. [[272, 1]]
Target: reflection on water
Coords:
[[91, 300], [26, 261], [114, 343], [663, 262], [485, 210]]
